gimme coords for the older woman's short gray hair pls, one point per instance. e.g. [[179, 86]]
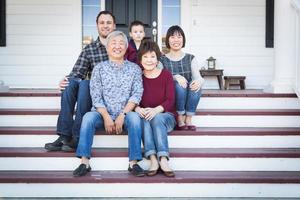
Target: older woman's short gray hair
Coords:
[[115, 34]]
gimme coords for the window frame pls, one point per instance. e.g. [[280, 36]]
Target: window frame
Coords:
[[2, 23], [269, 23]]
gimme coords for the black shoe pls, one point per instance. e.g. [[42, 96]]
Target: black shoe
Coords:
[[136, 170], [57, 144], [81, 170], [70, 146]]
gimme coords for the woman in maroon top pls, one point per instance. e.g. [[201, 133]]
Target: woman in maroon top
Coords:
[[157, 109]]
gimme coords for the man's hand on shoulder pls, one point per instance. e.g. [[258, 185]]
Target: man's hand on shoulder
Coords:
[[63, 83]]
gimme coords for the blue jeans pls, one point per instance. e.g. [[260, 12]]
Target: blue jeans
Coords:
[[77, 91], [93, 121], [155, 134], [186, 100]]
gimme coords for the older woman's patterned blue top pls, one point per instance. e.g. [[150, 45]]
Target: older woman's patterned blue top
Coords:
[[112, 86]]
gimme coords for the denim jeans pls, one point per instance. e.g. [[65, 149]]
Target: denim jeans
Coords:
[[155, 134], [77, 91], [186, 100], [93, 121]]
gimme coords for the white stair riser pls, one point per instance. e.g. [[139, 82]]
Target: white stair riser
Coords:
[[121, 141], [246, 121], [248, 103], [199, 121], [121, 163], [30, 102], [140, 190], [205, 103]]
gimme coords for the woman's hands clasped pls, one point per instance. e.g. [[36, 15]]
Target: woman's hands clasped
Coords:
[[147, 113]]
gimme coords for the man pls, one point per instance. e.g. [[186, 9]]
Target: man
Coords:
[[75, 88], [116, 88]]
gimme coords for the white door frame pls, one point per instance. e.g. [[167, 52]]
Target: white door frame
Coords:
[[159, 19]]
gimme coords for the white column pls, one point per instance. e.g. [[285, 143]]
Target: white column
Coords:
[[284, 48]]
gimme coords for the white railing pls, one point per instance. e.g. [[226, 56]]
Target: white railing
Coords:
[[296, 6]]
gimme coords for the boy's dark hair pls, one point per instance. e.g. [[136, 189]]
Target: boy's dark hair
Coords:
[[105, 12], [136, 23], [148, 46], [171, 31]]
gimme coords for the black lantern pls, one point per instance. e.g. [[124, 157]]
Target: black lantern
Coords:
[[211, 63]]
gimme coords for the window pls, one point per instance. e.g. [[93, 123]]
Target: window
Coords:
[[170, 17], [2, 24], [90, 10]]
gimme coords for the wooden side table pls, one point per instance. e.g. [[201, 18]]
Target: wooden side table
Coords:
[[214, 72], [235, 81]]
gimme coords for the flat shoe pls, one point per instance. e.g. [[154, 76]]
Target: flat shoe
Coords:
[[81, 170], [182, 128], [168, 173], [136, 170], [191, 127], [152, 172]]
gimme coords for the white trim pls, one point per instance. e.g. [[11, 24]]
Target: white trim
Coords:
[[102, 5], [159, 23], [185, 22]]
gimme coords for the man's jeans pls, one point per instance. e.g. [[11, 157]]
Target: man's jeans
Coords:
[[155, 134], [77, 91], [186, 100], [93, 121]]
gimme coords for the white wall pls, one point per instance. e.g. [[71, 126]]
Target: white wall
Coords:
[[43, 42], [232, 31]]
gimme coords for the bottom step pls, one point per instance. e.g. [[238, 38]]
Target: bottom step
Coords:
[[122, 184]]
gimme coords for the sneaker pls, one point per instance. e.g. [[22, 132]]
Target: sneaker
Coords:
[[81, 170], [70, 146], [57, 144], [136, 170]]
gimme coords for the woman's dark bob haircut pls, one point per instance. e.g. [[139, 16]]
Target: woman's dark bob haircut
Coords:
[[172, 31], [148, 46]]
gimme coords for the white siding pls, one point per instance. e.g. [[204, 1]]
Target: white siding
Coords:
[[232, 31], [43, 42]]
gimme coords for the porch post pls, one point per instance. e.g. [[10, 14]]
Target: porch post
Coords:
[[284, 48]]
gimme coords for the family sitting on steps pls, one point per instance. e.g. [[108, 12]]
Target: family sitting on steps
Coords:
[[148, 97]]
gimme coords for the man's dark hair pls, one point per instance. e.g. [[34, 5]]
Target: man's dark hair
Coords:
[[148, 46], [172, 31], [105, 12], [136, 23]]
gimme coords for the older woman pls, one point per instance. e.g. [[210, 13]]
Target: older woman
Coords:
[[157, 109], [116, 88]]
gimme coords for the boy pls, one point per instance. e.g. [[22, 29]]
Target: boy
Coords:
[[137, 33]]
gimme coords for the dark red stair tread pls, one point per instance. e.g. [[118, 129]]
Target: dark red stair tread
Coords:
[[205, 93], [209, 131], [174, 152], [199, 112], [125, 177]]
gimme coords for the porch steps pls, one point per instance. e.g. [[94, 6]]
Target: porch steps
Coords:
[[247, 144]]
